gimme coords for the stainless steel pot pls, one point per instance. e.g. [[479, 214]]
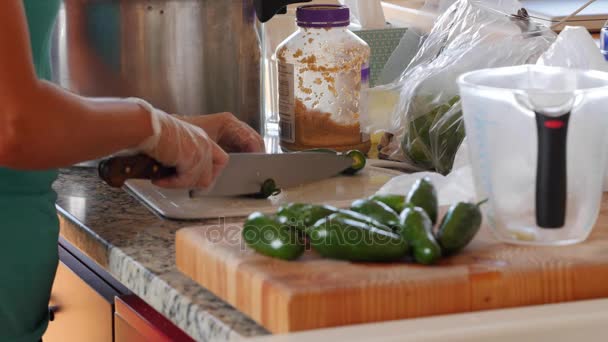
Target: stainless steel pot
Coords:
[[184, 56]]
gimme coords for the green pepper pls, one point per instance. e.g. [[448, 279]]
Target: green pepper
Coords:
[[267, 189], [454, 100], [353, 215], [432, 139], [268, 236], [376, 210], [359, 162], [447, 146], [459, 227], [424, 195], [396, 202], [418, 152], [422, 125], [417, 229], [303, 216], [447, 137], [342, 238]]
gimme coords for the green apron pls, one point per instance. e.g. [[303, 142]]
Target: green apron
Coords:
[[28, 219]]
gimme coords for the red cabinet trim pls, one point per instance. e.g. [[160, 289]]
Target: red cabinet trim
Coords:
[[148, 321]]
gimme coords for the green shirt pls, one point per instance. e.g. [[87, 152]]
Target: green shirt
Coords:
[[28, 219]]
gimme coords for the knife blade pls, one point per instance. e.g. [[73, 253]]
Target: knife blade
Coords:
[[244, 175], [246, 172]]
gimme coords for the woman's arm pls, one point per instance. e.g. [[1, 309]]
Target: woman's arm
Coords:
[[43, 126]]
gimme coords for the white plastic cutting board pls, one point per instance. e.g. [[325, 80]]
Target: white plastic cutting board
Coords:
[[339, 191]]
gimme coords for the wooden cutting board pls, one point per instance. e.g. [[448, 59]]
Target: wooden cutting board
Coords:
[[177, 204], [315, 293]]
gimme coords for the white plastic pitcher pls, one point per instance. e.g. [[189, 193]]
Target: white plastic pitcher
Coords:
[[537, 143]]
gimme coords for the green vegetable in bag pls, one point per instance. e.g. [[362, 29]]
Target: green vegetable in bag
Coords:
[[431, 140]]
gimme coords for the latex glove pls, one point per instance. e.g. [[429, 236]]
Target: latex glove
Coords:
[[176, 143], [232, 134]]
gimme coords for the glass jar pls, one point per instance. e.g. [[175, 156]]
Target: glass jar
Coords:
[[323, 77], [274, 32]]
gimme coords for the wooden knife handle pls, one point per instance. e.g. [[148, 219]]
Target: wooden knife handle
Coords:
[[117, 170]]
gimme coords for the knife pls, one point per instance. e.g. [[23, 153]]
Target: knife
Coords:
[[116, 171], [245, 173]]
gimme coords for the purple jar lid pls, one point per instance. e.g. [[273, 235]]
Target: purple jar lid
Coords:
[[323, 16]]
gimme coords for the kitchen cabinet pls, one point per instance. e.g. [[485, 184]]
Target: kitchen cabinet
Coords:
[[87, 304], [81, 313], [82, 304]]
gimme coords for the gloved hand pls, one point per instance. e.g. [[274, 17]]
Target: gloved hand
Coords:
[[176, 143], [232, 134]]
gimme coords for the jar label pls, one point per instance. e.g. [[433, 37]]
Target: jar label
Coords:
[[363, 101], [287, 120], [604, 42]]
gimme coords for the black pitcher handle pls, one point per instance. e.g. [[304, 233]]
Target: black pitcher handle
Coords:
[[551, 176]]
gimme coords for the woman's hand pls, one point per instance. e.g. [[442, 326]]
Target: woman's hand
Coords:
[[198, 159], [232, 134]]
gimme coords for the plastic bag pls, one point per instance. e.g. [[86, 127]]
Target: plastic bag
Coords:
[[411, 43], [574, 48], [383, 100], [472, 34], [458, 186]]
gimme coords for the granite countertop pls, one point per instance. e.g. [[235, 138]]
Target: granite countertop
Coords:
[[138, 249]]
